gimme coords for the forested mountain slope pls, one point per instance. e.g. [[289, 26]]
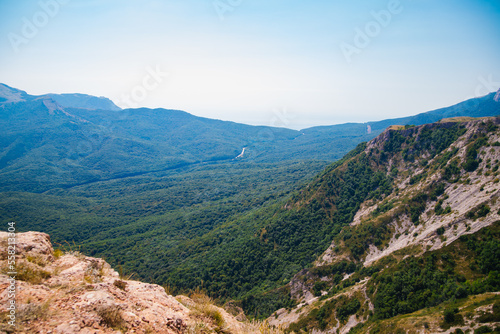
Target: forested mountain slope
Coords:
[[424, 238]]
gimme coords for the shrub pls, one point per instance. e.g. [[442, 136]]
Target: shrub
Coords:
[[348, 309], [120, 284], [318, 287], [452, 318], [58, 253], [483, 329], [449, 315], [111, 316], [478, 212], [491, 317]]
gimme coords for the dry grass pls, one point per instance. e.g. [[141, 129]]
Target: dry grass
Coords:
[[120, 284], [94, 273], [262, 327], [112, 317], [67, 248], [26, 313], [37, 259], [58, 253], [199, 328], [396, 127], [457, 119], [30, 312], [30, 273], [210, 319], [204, 307]]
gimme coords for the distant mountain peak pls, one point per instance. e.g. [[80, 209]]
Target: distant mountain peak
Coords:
[[497, 97], [11, 95], [83, 101]]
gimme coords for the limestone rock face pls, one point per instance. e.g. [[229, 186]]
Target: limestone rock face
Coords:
[[73, 293]]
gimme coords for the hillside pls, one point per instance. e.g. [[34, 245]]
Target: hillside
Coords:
[[403, 175], [426, 245]]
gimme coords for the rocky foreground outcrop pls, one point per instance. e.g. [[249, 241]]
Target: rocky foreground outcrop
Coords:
[[72, 293]]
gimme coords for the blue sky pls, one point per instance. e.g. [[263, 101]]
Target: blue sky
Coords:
[[274, 62]]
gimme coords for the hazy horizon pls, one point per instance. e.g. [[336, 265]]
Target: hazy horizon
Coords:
[[278, 119], [286, 63]]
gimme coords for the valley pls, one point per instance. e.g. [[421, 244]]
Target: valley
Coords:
[[313, 230]]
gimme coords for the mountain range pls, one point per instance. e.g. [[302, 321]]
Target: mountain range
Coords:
[[76, 139], [323, 229]]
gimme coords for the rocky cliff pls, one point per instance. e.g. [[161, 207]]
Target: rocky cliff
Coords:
[[68, 292]]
